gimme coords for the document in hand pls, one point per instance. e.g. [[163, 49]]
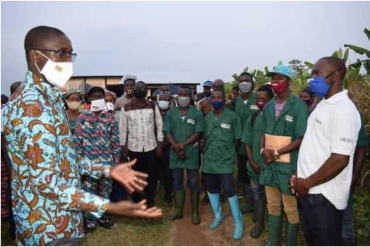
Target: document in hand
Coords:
[[276, 143]]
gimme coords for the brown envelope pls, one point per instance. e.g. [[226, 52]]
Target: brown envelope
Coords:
[[276, 143]]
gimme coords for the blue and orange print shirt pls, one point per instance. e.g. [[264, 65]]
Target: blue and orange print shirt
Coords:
[[47, 195]]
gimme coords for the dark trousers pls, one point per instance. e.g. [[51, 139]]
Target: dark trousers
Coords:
[[214, 182], [322, 221], [165, 172], [147, 162], [242, 170], [178, 179]]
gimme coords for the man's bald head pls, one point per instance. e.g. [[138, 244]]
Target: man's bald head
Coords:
[[218, 84], [336, 64], [36, 37]]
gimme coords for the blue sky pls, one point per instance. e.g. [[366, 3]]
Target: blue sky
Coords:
[[183, 41]]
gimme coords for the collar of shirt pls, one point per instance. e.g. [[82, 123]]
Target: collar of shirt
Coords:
[[52, 93], [337, 97]]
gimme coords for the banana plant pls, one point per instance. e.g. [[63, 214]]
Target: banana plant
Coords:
[[362, 51]]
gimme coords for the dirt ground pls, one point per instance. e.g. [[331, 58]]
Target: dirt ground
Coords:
[[193, 235]]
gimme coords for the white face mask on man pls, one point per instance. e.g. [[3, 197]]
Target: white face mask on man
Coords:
[[98, 105], [56, 73], [110, 106]]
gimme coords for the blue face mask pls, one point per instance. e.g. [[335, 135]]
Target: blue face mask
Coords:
[[319, 86], [217, 104], [207, 94]]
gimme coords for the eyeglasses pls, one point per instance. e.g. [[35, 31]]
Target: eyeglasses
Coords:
[[63, 55]]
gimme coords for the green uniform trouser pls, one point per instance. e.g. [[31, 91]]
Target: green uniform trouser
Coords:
[[274, 198]]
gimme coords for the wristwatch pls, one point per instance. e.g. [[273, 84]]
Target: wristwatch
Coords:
[[261, 151], [107, 171], [277, 155]]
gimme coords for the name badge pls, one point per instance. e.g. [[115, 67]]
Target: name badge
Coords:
[[191, 121], [225, 126], [288, 118], [254, 107]]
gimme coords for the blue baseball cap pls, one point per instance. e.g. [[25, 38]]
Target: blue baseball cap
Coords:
[[281, 69], [207, 84]]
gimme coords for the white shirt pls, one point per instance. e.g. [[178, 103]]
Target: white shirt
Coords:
[[139, 124], [331, 128]]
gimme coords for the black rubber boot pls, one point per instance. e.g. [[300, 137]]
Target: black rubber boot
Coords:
[[195, 207], [248, 208], [179, 205], [259, 214]]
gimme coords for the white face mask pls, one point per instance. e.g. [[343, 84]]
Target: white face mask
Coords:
[[245, 86], [110, 106], [56, 73], [74, 105], [163, 104], [98, 105]]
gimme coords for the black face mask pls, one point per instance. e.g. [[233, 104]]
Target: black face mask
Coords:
[[139, 93]]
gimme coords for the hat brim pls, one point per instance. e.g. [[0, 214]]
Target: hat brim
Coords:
[[270, 74]]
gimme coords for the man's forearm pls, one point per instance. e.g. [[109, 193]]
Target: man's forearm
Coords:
[[192, 139], [248, 151], [291, 147], [358, 163]]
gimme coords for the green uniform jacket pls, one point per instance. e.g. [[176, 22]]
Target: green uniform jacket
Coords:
[[292, 122], [243, 111], [181, 130], [220, 135], [251, 136]]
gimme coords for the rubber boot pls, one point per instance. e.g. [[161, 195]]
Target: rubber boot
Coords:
[[214, 199], [259, 215], [275, 230], [179, 206], [195, 207], [237, 215], [248, 208], [292, 234]]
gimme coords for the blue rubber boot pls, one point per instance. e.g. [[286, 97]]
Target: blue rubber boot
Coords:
[[237, 215], [217, 210]]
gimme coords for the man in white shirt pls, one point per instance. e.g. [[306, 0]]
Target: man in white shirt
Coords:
[[141, 137], [325, 160]]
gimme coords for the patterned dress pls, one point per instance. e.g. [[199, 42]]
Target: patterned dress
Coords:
[[97, 137], [47, 194]]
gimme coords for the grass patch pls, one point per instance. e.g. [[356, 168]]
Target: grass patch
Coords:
[[131, 231]]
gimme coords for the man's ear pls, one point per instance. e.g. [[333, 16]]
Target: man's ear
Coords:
[[34, 56]]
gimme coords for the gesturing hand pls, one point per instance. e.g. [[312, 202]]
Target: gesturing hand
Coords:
[[131, 209], [130, 179]]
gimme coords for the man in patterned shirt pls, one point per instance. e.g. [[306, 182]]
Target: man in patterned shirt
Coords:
[[47, 192], [141, 137]]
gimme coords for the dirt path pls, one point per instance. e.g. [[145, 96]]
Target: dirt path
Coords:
[[193, 235]]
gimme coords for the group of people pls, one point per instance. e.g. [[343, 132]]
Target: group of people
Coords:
[[74, 157]]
